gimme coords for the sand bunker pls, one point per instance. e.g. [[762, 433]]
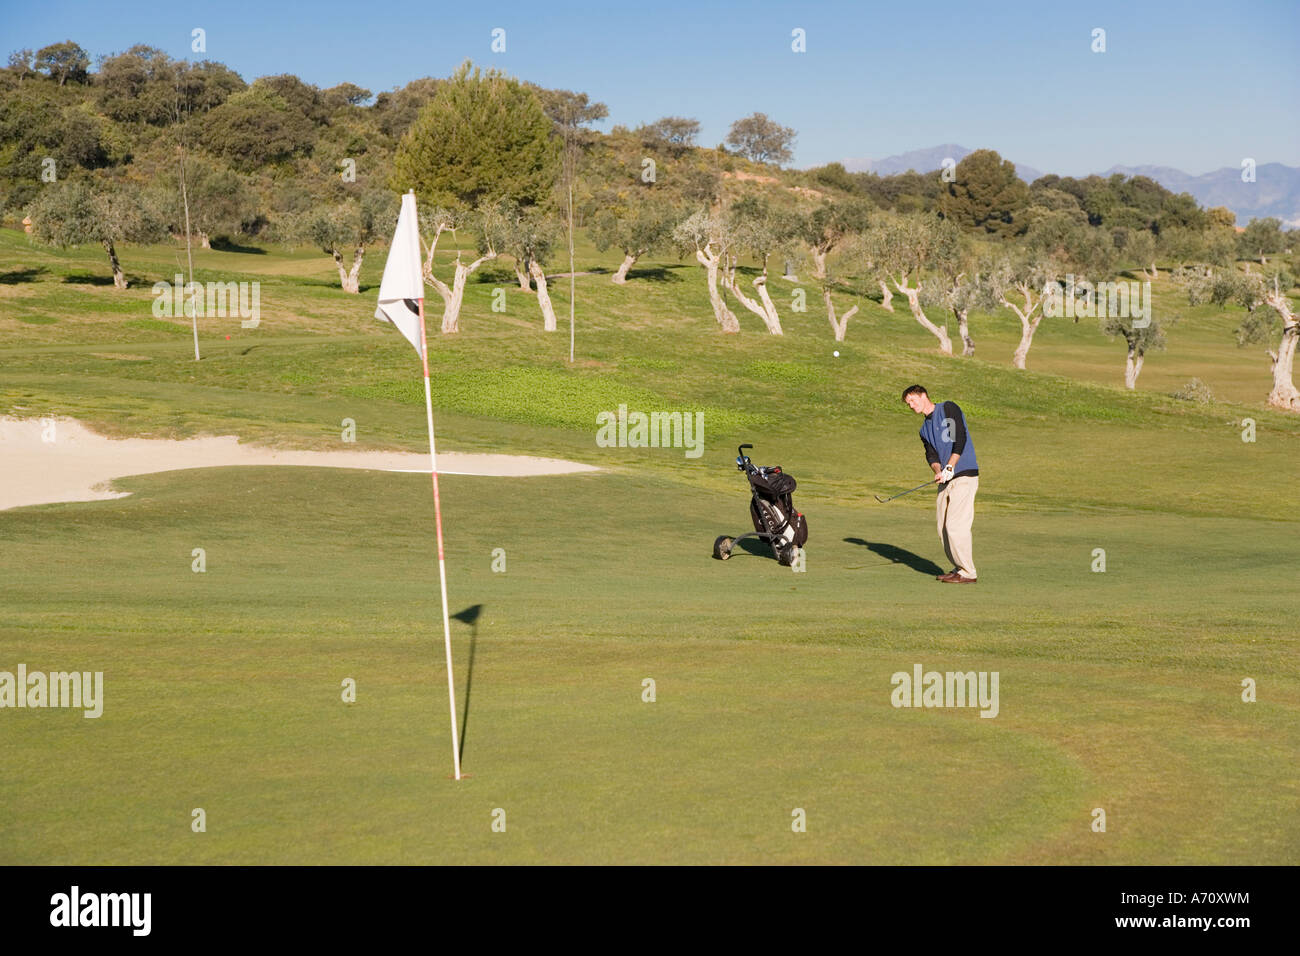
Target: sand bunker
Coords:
[[78, 464]]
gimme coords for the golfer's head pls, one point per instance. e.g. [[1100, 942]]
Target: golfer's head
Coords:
[[917, 399]]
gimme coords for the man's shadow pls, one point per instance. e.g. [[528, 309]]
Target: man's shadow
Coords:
[[468, 616], [899, 556]]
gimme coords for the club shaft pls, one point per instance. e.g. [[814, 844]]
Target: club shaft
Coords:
[[926, 484]]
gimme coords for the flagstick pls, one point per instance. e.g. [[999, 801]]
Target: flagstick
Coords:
[[442, 562]]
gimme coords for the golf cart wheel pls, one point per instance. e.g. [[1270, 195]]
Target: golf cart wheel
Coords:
[[722, 548]]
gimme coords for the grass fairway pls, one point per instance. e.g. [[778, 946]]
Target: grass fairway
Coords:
[[1119, 690]]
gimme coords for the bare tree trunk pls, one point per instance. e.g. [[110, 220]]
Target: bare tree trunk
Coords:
[[543, 296], [343, 270], [349, 279], [451, 304], [354, 274], [1027, 329], [726, 318], [1284, 393], [1137, 367], [819, 263], [729, 280], [963, 328], [887, 302], [620, 277], [842, 326], [205, 241], [1155, 273], [1130, 368], [1028, 323], [914, 303], [452, 296], [521, 273], [119, 279], [773, 320]]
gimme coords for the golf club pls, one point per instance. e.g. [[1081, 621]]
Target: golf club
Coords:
[[908, 492]]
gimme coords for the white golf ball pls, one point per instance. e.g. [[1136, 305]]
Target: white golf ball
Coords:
[[836, 353]]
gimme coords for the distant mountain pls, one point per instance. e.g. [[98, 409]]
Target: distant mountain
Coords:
[[1275, 191], [924, 161]]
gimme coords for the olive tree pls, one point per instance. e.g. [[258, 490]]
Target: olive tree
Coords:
[[1024, 274], [826, 229], [1139, 339], [1138, 246], [901, 247], [488, 220], [529, 235], [1260, 326], [222, 203], [1261, 239], [960, 283], [351, 226], [635, 225], [829, 226], [709, 237], [762, 230], [73, 213]]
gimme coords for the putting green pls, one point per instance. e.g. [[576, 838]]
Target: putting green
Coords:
[[772, 689]]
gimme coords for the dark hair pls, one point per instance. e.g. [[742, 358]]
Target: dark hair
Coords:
[[914, 390]]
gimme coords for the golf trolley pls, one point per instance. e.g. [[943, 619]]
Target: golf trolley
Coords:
[[772, 510]]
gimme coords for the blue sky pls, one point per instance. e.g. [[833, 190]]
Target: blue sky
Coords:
[[1195, 85]]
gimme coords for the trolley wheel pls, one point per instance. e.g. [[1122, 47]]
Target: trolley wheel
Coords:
[[722, 548]]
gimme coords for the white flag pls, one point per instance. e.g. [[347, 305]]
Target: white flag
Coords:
[[403, 284]]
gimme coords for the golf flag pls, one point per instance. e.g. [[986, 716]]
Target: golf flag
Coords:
[[403, 284], [401, 302]]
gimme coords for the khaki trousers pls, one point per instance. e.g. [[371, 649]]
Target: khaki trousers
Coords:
[[955, 511]]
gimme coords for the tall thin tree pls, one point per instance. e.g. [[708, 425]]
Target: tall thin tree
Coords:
[[568, 175], [185, 201], [571, 112]]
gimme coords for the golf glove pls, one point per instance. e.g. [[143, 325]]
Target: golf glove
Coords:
[[946, 474]]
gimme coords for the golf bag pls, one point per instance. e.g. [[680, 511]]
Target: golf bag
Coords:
[[772, 511]]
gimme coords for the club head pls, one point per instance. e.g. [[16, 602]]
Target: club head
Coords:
[[881, 500]]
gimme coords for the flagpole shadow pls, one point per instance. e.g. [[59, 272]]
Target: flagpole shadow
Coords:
[[468, 616]]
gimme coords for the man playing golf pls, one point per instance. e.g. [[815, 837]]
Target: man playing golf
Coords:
[[951, 453]]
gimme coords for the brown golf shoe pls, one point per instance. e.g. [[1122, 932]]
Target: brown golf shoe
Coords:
[[955, 578]]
